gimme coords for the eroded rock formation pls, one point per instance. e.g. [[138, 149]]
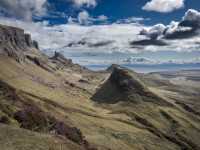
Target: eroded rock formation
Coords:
[[14, 41]]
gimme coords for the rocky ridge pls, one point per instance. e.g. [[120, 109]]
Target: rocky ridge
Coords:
[[14, 41], [126, 85]]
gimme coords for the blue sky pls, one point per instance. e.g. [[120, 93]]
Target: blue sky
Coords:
[[111, 31], [118, 9], [57, 11]]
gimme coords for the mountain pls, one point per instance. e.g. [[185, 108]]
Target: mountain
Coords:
[[125, 85], [52, 103]]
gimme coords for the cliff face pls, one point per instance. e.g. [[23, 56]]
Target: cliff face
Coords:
[[14, 41], [17, 45]]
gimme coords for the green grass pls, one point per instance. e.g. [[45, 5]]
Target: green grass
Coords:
[[106, 125], [12, 138]]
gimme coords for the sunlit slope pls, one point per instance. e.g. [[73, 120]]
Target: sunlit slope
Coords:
[[151, 108], [126, 124], [12, 138]]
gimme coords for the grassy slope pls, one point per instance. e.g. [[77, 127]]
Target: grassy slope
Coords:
[[117, 126], [12, 138]]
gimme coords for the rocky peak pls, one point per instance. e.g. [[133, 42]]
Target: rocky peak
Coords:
[[112, 67], [126, 81], [63, 63], [124, 85], [14, 42], [16, 37], [61, 59], [35, 44]]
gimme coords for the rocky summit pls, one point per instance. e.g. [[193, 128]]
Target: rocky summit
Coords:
[[125, 85], [50, 103], [13, 41]]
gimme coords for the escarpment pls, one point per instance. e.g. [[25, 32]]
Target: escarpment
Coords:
[[14, 42]]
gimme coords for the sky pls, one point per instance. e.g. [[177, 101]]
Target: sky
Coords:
[[111, 31]]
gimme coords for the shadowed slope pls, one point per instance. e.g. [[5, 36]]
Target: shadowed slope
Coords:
[[125, 85]]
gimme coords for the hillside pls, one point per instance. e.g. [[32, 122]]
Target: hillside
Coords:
[[126, 85], [48, 103]]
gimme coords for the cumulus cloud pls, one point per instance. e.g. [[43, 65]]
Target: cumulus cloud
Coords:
[[29, 9], [23, 9], [88, 3], [107, 38], [175, 31], [84, 18], [188, 27], [153, 36], [163, 6], [154, 32], [112, 37], [192, 16]]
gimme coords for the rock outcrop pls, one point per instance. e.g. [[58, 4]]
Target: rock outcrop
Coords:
[[112, 67], [62, 63], [59, 58], [125, 85], [13, 42]]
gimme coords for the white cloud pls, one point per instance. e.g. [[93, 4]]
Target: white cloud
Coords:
[[61, 35], [154, 32], [174, 27], [192, 15], [83, 17], [110, 38], [23, 9], [163, 6], [102, 18], [138, 60], [132, 20], [188, 27], [88, 3]]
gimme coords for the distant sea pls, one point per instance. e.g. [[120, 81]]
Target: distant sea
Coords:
[[150, 68], [98, 60]]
